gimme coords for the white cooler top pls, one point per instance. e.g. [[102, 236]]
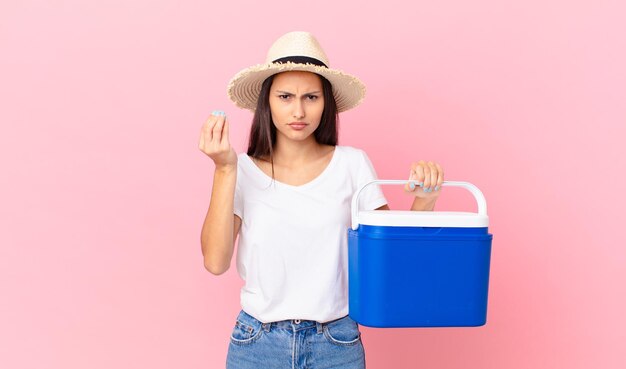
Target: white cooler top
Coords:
[[409, 218]]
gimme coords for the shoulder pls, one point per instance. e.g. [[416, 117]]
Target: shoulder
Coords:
[[244, 158], [352, 153], [244, 165], [351, 150]]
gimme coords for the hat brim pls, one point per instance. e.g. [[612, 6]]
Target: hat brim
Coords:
[[244, 88]]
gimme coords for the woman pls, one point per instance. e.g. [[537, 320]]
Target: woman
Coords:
[[288, 198]]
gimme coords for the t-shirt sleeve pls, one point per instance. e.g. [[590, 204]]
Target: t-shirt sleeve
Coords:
[[372, 196], [238, 204]]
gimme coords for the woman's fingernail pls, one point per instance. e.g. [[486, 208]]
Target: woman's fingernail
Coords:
[[437, 188], [412, 185], [421, 184], [214, 112]]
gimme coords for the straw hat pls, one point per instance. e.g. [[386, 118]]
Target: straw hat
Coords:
[[295, 51]]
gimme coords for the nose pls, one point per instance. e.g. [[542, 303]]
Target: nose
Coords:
[[298, 112]]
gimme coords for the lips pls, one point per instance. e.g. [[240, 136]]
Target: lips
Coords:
[[298, 125]]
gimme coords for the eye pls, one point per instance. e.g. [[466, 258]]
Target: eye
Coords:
[[281, 97], [313, 97]]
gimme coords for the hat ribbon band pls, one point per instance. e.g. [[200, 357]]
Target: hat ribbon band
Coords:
[[300, 60]]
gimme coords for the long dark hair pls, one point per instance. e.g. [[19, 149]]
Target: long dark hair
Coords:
[[263, 132]]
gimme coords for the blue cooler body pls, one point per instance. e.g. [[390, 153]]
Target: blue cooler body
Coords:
[[419, 268]]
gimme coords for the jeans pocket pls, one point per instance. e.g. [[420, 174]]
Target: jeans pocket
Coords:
[[245, 333], [342, 332]]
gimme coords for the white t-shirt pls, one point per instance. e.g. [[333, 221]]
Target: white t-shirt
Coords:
[[293, 243]]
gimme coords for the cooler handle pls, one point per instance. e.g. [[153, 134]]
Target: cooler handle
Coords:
[[480, 199]]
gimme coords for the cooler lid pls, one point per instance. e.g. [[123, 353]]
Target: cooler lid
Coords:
[[408, 218]]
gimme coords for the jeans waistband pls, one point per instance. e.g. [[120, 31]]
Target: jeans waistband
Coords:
[[295, 324]]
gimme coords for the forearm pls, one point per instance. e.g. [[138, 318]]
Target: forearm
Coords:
[[217, 230]]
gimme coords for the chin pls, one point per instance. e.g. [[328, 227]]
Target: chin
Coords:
[[298, 136]]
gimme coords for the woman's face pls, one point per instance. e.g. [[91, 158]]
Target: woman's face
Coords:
[[296, 96]]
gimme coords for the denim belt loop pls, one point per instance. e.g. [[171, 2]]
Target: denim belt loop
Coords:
[[320, 327]]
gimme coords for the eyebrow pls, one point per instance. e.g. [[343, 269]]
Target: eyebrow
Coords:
[[308, 93]]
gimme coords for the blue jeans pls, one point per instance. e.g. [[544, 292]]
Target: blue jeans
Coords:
[[302, 344]]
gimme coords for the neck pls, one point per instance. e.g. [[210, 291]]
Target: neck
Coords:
[[295, 153]]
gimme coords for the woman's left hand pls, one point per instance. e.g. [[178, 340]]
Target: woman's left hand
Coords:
[[425, 180]]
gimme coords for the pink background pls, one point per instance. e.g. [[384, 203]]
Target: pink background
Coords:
[[104, 190]]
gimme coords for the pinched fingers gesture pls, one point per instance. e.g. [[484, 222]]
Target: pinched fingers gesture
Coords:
[[214, 140]]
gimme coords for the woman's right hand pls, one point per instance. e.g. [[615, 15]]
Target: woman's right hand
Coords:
[[214, 142]]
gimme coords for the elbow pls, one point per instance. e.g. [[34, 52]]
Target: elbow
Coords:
[[216, 259], [215, 269]]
